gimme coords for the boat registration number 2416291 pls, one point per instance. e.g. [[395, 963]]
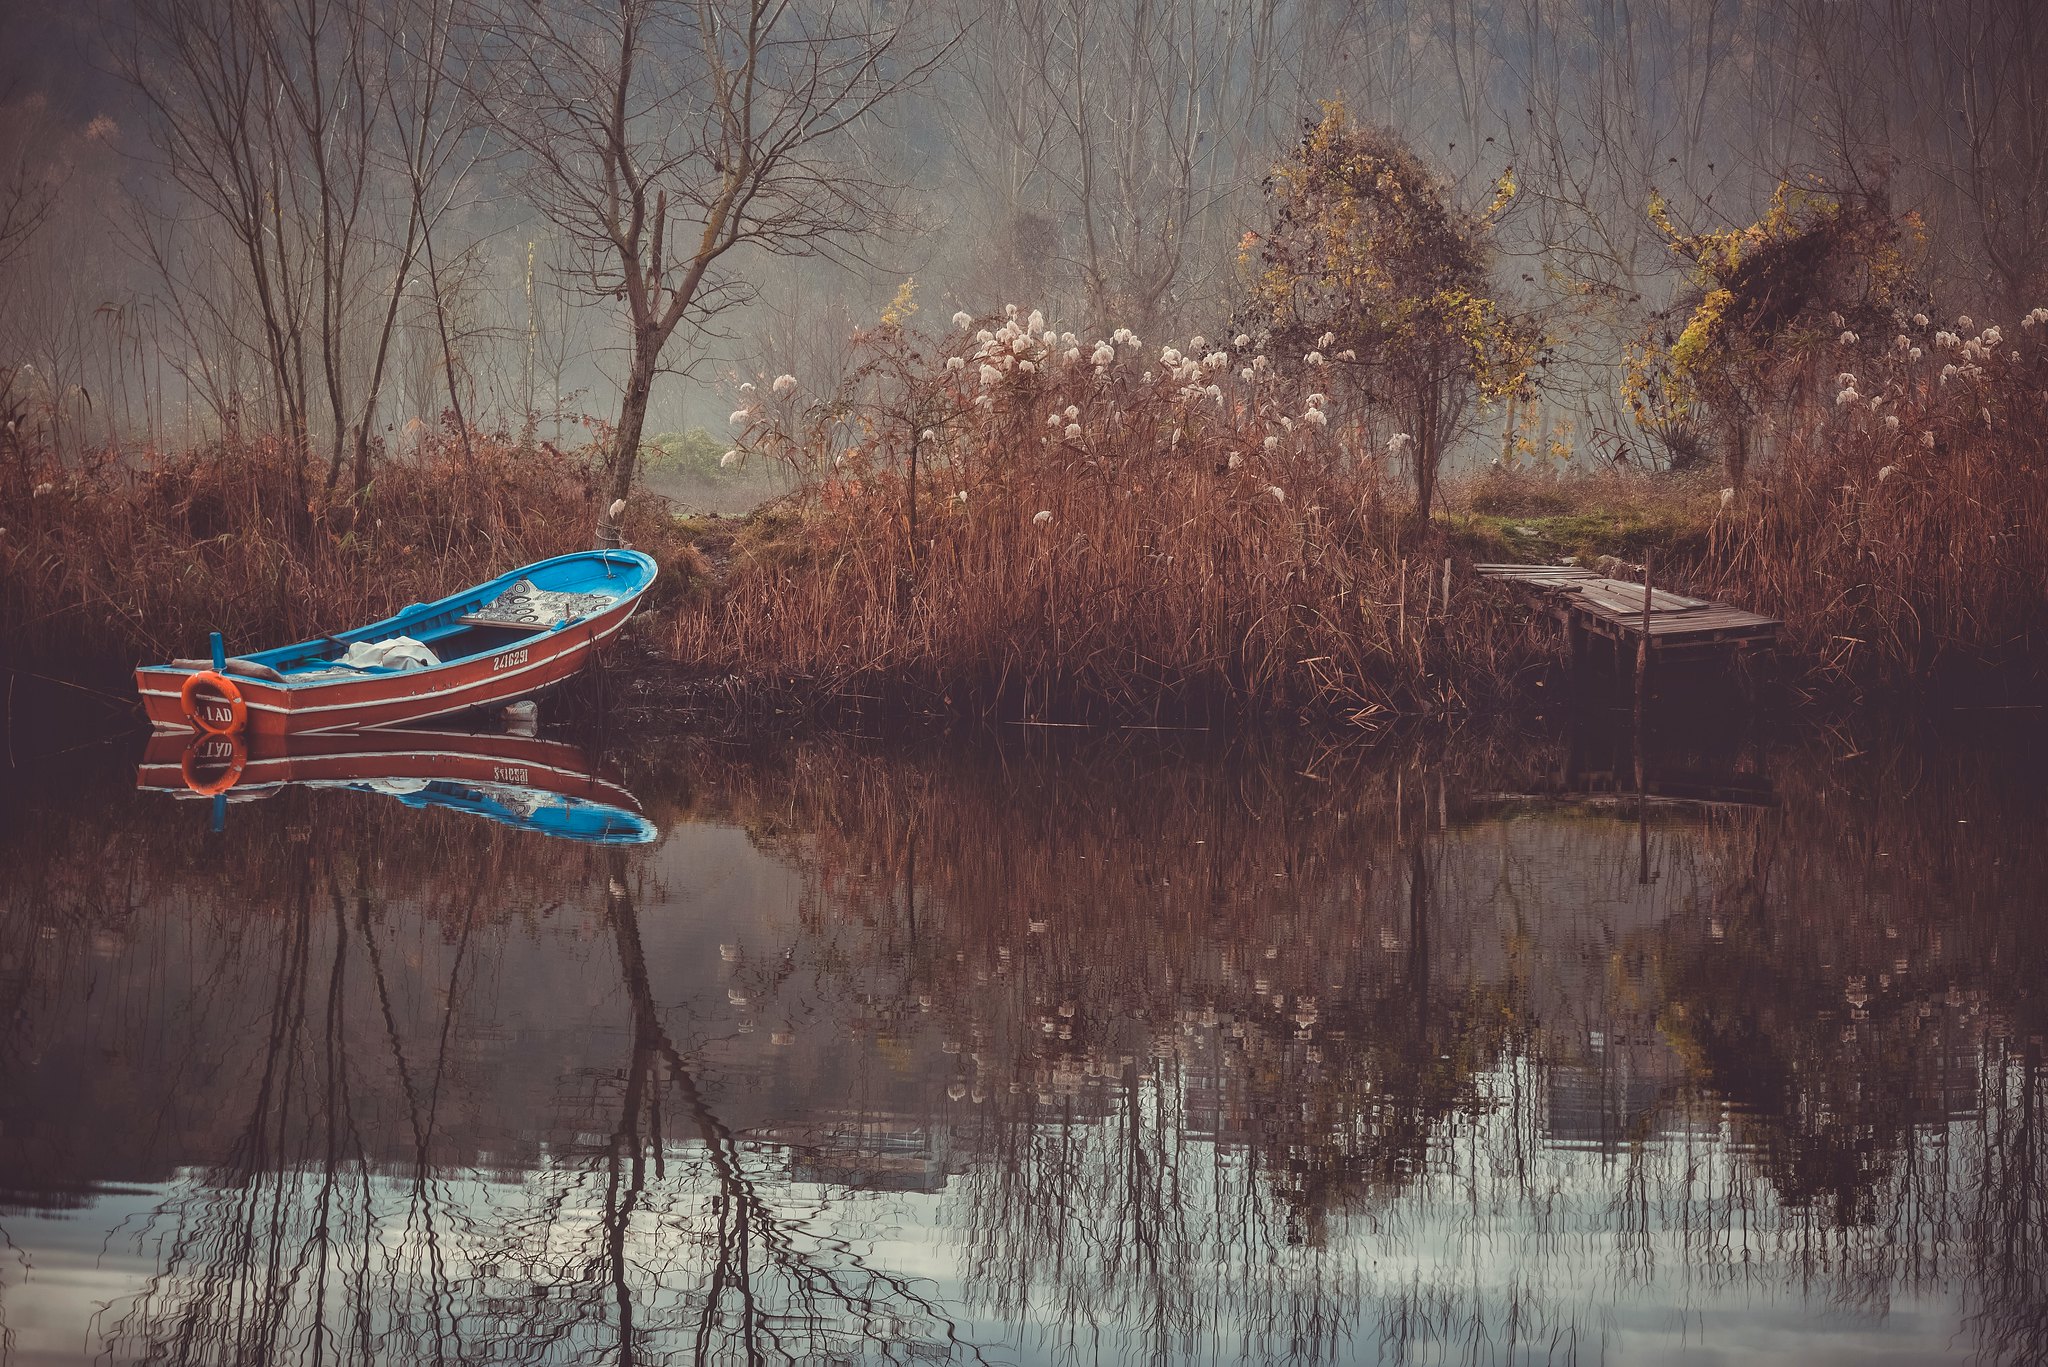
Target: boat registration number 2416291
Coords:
[[508, 659]]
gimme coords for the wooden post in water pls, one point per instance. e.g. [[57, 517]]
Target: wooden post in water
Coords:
[[1643, 647]]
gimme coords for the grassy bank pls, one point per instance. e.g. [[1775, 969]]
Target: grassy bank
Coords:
[[1025, 526], [138, 557]]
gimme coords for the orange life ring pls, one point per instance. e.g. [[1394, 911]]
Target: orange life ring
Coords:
[[238, 711], [238, 756]]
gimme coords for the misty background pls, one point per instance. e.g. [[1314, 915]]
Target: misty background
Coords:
[[1099, 161]]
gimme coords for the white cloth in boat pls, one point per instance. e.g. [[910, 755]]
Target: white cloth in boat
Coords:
[[395, 652], [525, 605]]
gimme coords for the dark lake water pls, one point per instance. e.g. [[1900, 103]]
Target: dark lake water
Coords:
[[1503, 1047]]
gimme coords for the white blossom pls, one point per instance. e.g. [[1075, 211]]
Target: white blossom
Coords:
[[1886, 473], [1073, 431], [1026, 368], [740, 417], [784, 383], [1920, 320], [989, 374], [1052, 420], [1891, 421], [1314, 358], [1328, 339], [1050, 338], [1169, 357], [1279, 494], [1316, 416], [1241, 340], [1041, 517], [985, 337], [1963, 324], [1216, 360], [1347, 354], [1245, 374], [1948, 372], [1215, 392], [955, 363], [1927, 440], [1104, 354], [960, 497], [929, 434], [962, 318], [1035, 323], [1991, 337], [1915, 354], [1236, 461], [729, 459], [1271, 443], [1399, 445], [1727, 497], [747, 388], [1848, 339]]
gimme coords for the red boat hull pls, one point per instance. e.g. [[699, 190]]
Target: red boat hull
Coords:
[[396, 699], [182, 763]]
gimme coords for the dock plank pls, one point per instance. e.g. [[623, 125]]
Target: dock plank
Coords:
[[1614, 608]]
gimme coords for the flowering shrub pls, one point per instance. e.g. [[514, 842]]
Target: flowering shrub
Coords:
[[1112, 518], [1903, 533]]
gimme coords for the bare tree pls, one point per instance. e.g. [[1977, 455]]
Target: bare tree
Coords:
[[669, 139], [29, 180], [317, 133]]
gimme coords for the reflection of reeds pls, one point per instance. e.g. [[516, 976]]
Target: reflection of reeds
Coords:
[[1072, 965], [1092, 953]]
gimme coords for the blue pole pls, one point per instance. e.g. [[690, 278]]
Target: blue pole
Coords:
[[220, 654], [220, 809]]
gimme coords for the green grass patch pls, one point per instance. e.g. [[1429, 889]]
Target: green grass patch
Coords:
[[1583, 535]]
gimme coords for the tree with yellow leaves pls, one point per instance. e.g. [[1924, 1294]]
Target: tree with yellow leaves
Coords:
[[1369, 268], [1766, 309]]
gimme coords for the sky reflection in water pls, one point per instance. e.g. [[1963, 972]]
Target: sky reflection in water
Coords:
[[1428, 1052]]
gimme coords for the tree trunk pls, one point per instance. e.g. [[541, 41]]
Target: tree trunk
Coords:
[[625, 458]]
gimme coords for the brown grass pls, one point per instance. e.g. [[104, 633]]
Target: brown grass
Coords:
[[139, 556], [1161, 550], [1907, 553]]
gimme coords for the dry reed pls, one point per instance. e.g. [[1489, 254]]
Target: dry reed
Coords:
[[1022, 523], [139, 556], [1902, 530]]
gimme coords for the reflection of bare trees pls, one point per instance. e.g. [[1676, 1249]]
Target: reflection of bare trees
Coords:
[[702, 1242], [1215, 1061]]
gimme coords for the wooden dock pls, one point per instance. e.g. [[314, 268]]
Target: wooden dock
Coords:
[[1592, 608]]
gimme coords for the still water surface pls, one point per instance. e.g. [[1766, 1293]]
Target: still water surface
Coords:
[[1435, 1052]]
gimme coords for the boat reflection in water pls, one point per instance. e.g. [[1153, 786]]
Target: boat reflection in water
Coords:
[[546, 786]]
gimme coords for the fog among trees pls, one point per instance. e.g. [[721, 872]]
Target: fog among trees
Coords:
[[353, 222]]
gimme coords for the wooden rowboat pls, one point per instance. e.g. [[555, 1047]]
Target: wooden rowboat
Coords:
[[545, 786], [512, 638]]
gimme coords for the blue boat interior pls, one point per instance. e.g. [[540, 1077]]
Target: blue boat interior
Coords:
[[564, 818], [619, 575]]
